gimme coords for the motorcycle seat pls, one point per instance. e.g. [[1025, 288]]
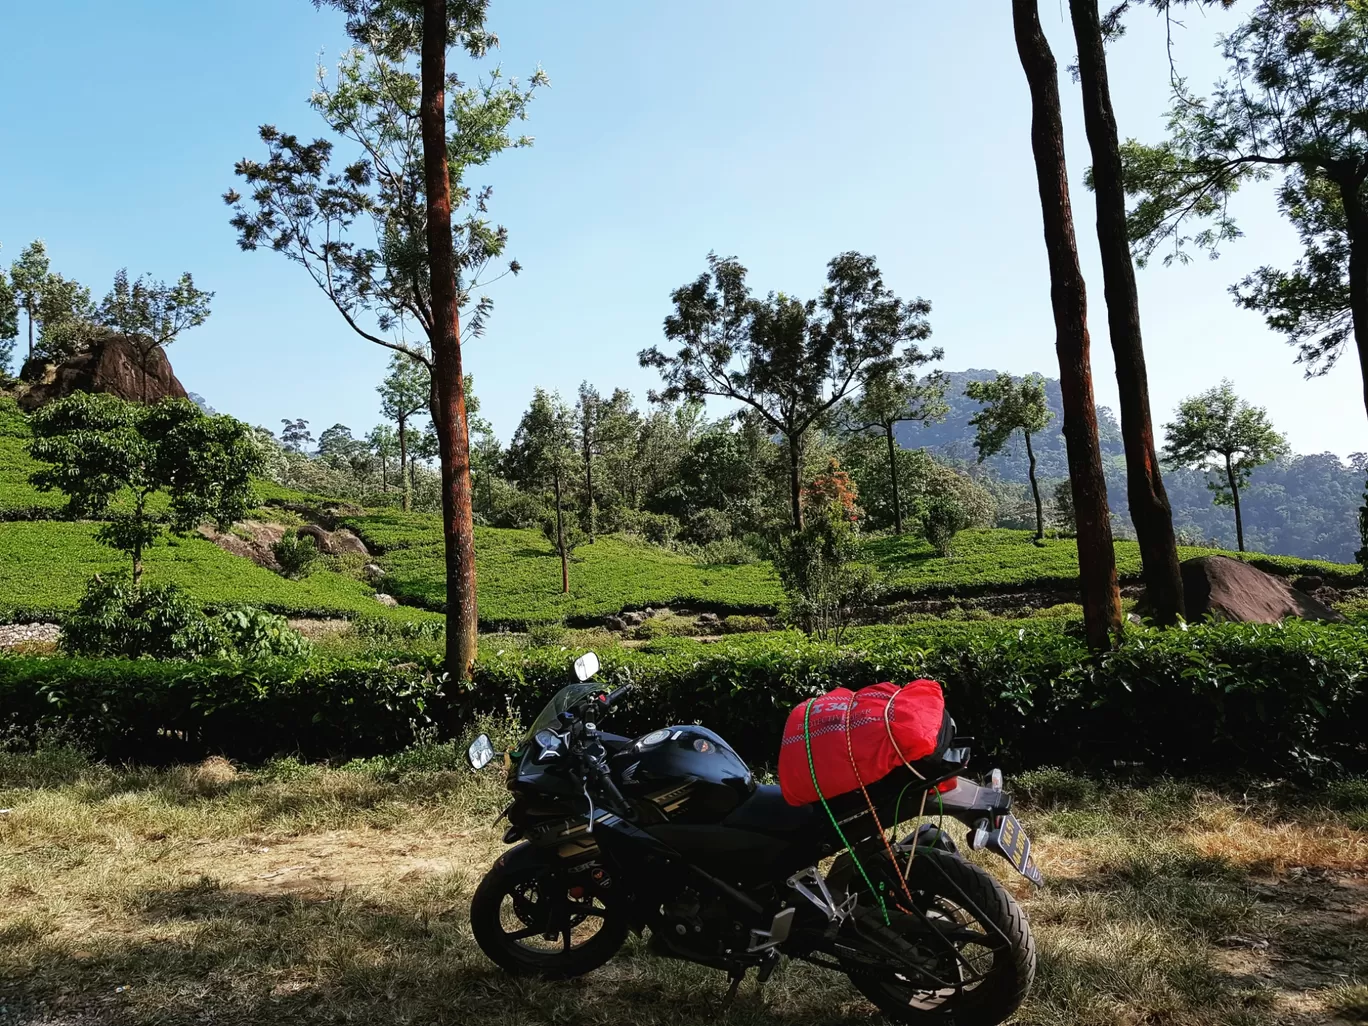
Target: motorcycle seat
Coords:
[[767, 812]]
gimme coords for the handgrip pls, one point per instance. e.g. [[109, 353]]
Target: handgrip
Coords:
[[612, 697]]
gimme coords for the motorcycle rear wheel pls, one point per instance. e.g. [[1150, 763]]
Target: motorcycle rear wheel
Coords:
[[532, 920], [996, 962]]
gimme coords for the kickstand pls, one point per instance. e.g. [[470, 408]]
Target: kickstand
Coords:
[[737, 975]]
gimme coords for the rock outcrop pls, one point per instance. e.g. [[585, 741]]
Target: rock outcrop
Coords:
[[110, 364], [1228, 589]]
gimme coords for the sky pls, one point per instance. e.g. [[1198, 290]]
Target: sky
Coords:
[[779, 131]]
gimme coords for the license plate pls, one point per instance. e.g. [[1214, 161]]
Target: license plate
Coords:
[[1010, 841]]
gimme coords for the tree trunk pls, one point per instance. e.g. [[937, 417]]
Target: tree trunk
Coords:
[[1035, 488], [29, 310], [893, 478], [406, 502], [1149, 504], [560, 538], [1235, 498], [458, 527], [796, 481], [1068, 298], [1356, 222]]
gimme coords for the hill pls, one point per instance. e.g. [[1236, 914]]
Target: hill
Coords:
[[1305, 506]]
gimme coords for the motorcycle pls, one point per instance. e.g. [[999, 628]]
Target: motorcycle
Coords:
[[670, 833]]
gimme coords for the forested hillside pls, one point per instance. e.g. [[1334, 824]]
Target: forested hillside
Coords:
[[1303, 505]]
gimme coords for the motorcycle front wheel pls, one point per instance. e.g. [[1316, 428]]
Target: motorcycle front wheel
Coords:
[[532, 919], [967, 936]]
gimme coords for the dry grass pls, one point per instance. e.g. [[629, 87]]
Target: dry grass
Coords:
[[291, 893]]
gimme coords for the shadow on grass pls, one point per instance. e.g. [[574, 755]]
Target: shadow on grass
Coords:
[[224, 956]]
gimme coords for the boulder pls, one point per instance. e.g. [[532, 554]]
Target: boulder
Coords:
[[1228, 589], [334, 543], [386, 600], [108, 364], [373, 571]]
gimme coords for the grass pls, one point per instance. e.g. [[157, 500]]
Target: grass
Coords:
[[520, 574], [44, 567], [997, 558], [303, 894]]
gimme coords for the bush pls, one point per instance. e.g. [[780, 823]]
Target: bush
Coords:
[[296, 554], [161, 621], [1221, 697], [942, 518], [706, 526], [546, 635], [725, 552], [744, 624], [164, 622], [817, 566], [656, 528], [256, 634]]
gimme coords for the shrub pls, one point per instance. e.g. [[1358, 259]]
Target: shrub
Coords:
[[817, 567], [942, 518], [657, 528], [706, 526], [296, 554], [744, 624], [1064, 507], [162, 621], [1221, 697], [546, 635], [725, 552], [256, 634]]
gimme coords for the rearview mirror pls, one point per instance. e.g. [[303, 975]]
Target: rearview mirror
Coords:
[[480, 752], [586, 666]]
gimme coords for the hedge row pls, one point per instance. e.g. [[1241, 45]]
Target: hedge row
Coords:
[[1219, 697]]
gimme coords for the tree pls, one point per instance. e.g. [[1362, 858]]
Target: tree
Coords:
[[383, 442], [150, 315], [1294, 106], [336, 446], [66, 319], [1149, 504], [9, 322], [100, 448], [1010, 406], [295, 434], [1068, 299], [789, 360], [544, 451], [1221, 434], [897, 397], [29, 276], [425, 267], [602, 428], [405, 392]]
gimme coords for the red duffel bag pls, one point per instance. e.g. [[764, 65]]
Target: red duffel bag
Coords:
[[858, 737]]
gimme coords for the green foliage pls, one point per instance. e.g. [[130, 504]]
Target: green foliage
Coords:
[[942, 518], [1227, 697], [115, 618], [1222, 435], [1292, 105], [253, 633], [1009, 406], [296, 554], [97, 446], [824, 584], [547, 635]]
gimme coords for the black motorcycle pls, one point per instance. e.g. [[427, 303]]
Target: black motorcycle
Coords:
[[670, 832]]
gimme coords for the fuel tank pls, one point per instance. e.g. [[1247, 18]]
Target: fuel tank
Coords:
[[687, 774]]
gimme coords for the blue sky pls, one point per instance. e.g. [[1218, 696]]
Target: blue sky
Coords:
[[781, 131]]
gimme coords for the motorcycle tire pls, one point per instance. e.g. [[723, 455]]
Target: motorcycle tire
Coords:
[[522, 912], [944, 881]]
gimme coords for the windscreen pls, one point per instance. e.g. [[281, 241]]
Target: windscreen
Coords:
[[565, 698]]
